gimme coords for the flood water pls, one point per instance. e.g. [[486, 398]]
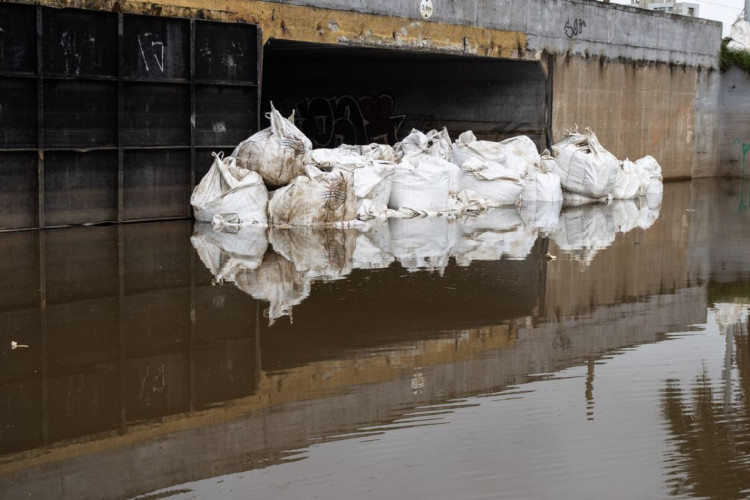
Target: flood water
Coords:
[[599, 353]]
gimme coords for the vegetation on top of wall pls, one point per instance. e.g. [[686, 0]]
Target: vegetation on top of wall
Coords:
[[730, 57]]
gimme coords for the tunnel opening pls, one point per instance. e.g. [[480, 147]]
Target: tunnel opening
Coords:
[[359, 95]]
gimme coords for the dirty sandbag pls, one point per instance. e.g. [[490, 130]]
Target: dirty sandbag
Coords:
[[542, 216], [577, 200], [320, 253], [653, 170], [740, 33], [374, 151], [424, 183], [583, 231], [584, 166], [521, 154], [423, 243], [492, 181], [230, 189], [278, 153], [433, 143], [315, 198], [467, 147], [278, 282], [631, 181], [226, 255], [373, 247]]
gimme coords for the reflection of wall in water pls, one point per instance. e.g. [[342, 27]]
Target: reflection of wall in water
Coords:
[[122, 324], [654, 261]]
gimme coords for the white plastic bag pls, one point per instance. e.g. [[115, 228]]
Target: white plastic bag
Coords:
[[584, 166], [278, 153], [316, 198], [423, 183], [230, 190]]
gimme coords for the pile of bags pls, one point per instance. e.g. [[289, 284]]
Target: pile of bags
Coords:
[[276, 178]]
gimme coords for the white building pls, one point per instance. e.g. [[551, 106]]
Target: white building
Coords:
[[684, 8]]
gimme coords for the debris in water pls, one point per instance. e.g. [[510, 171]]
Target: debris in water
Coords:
[[15, 345]]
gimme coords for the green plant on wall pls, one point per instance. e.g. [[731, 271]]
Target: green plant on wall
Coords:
[[730, 57]]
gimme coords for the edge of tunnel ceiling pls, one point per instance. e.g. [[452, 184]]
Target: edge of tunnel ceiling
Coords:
[[313, 24]]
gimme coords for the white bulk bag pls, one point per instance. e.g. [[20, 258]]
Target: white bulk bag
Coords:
[[629, 182], [278, 153], [467, 147], [423, 183], [316, 198], [325, 158], [491, 181], [230, 190], [521, 154], [541, 186], [374, 151], [584, 166], [653, 170], [433, 143]]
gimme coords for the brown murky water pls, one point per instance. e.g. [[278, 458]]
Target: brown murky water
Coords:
[[418, 359]]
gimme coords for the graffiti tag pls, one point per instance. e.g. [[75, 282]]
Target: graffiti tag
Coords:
[[150, 47], [574, 29], [332, 121]]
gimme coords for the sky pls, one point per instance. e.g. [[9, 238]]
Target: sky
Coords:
[[725, 11]]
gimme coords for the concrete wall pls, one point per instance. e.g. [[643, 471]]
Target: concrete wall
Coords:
[[550, 25], [635, 108]]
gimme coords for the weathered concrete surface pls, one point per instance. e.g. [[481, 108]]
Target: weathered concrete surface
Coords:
[[732, 112], [635, 108]]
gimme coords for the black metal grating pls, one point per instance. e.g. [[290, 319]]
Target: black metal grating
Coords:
[[101, 113]]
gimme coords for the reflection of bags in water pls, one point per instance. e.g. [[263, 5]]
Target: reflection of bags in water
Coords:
[[424, 183], [541, 215], [423, 243], [316, 198], [584, 166], [276, 281], [317, 252], [227, 254], [230, 190], [373, 248], [278, 153], [495, 234], [584, 231]]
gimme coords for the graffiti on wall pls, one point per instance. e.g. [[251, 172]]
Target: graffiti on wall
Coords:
[[574, 29], [332, 121]]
